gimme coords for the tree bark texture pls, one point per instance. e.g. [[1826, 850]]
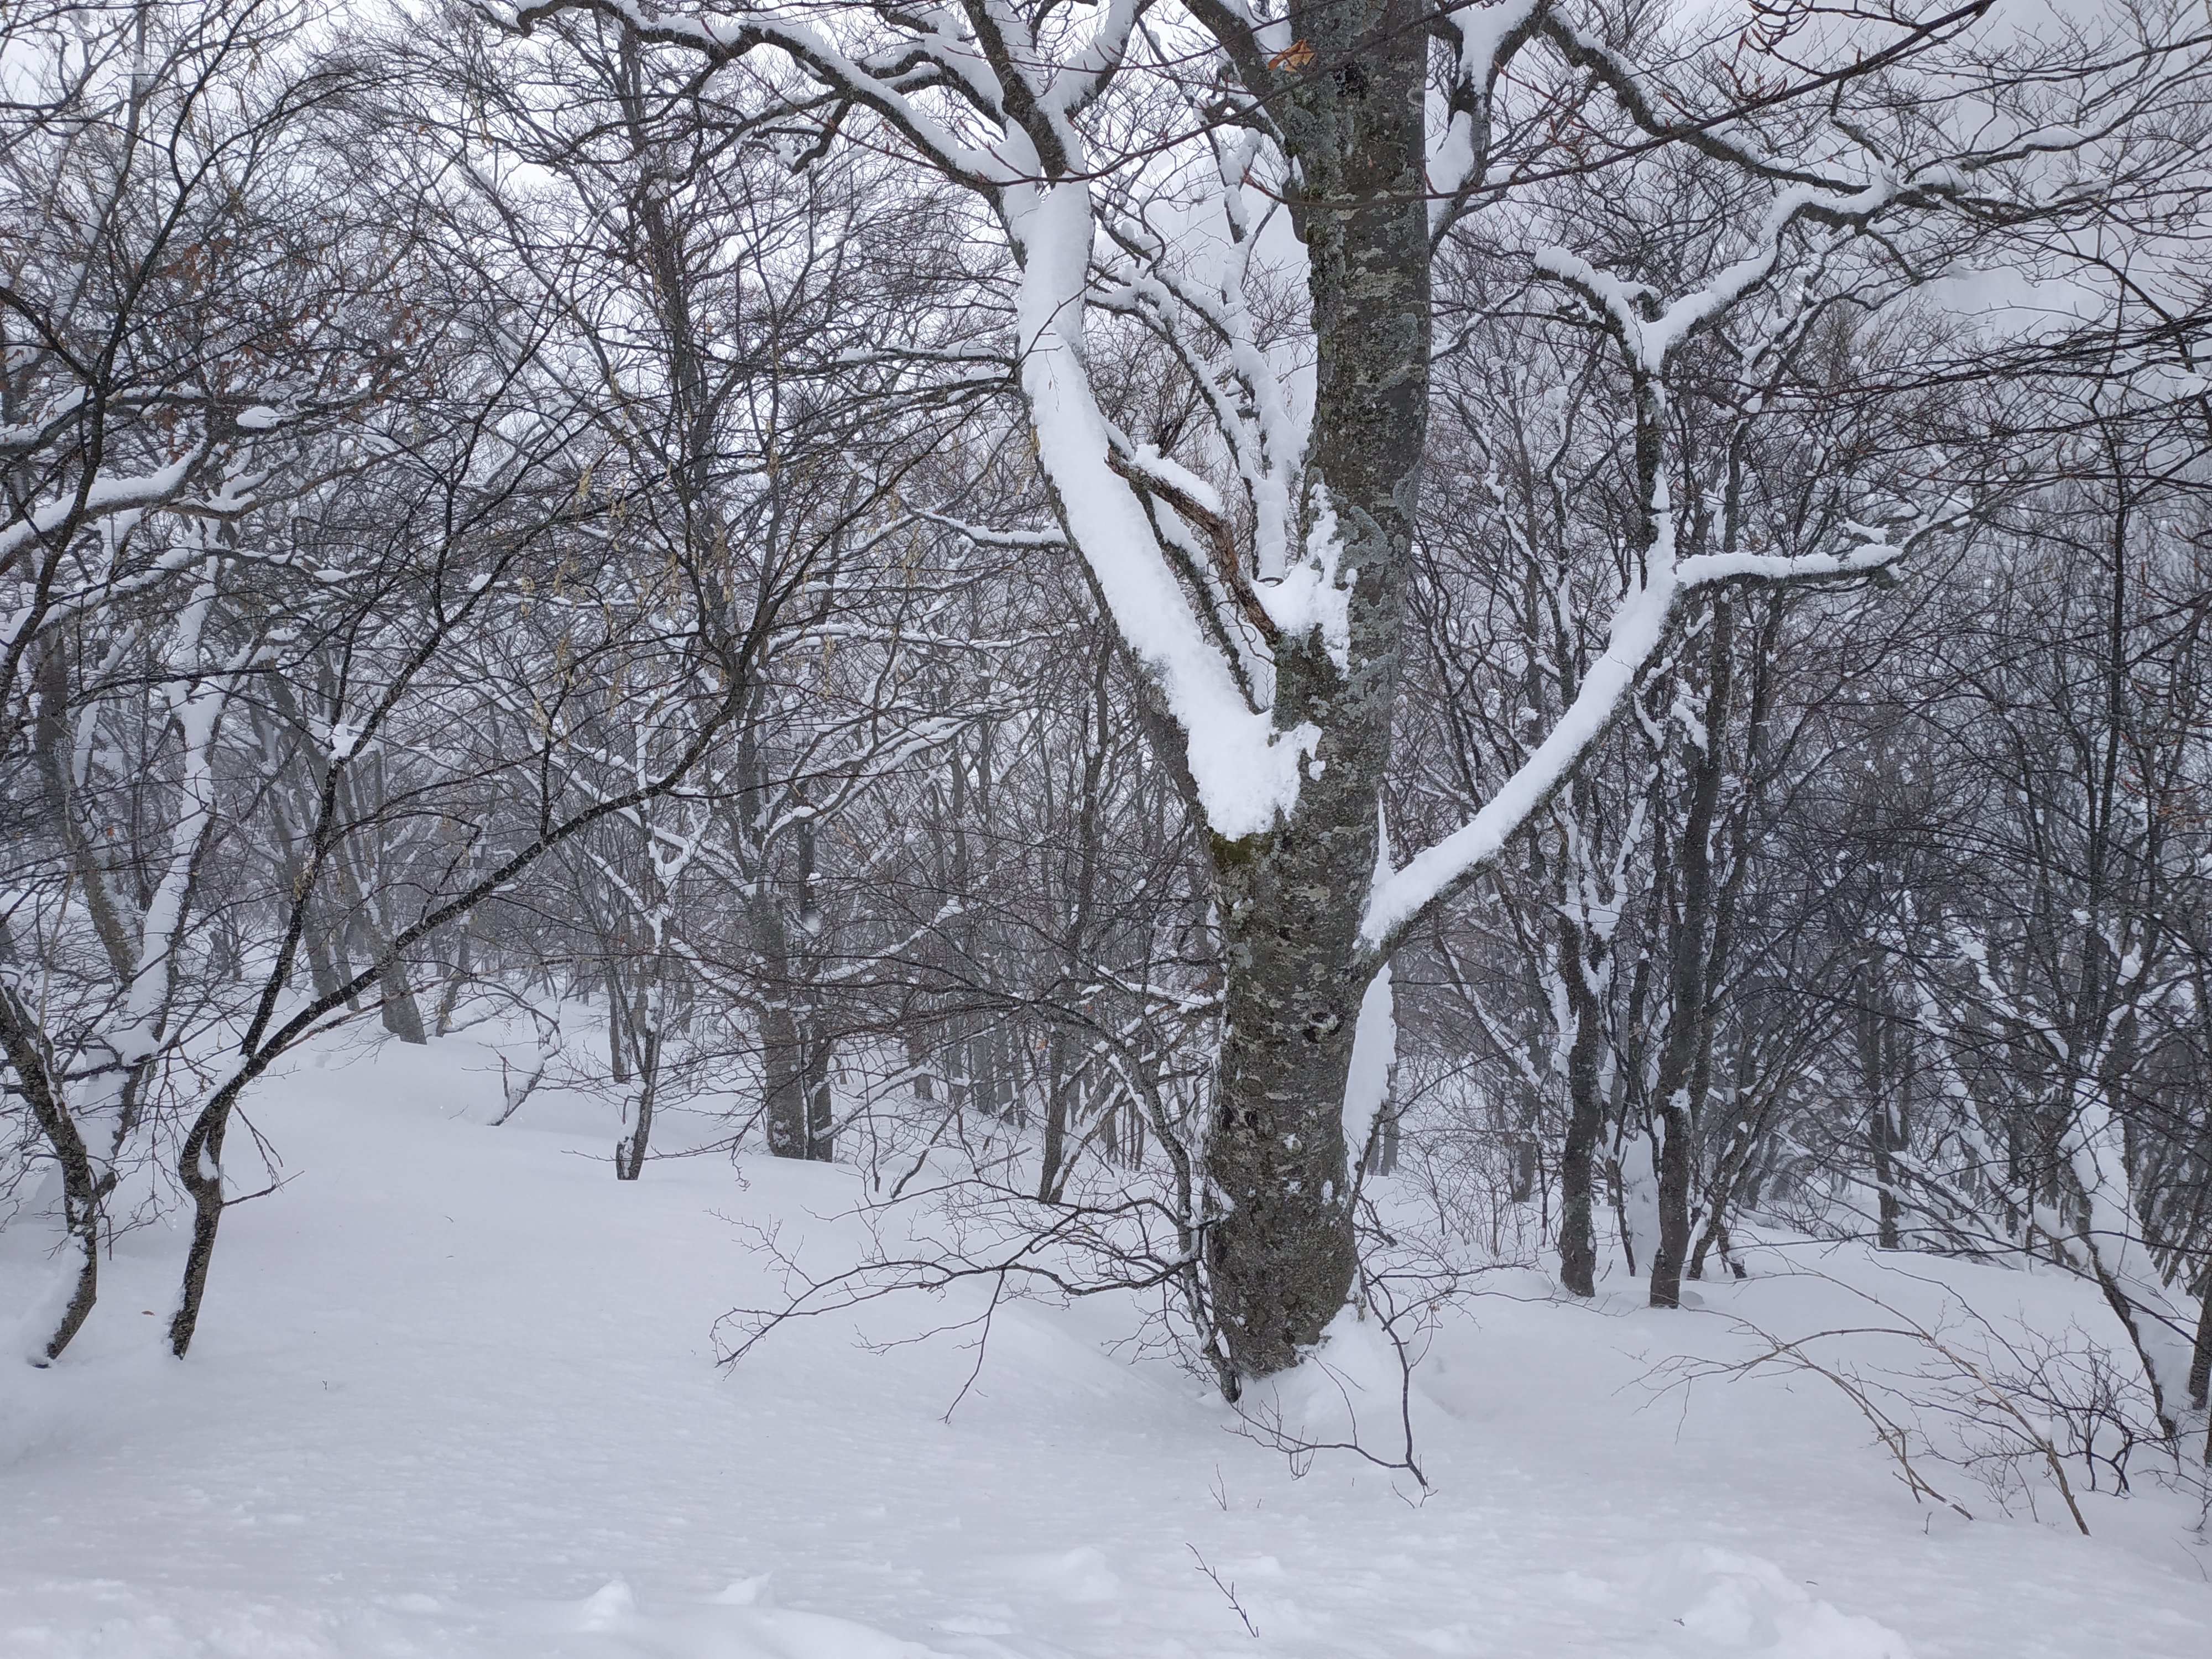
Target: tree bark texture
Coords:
[[1585, 1119], [630, 1151], [1677, 1093], [1282, 1258], [81, 1187], [1884, 1111], [199, 1168]]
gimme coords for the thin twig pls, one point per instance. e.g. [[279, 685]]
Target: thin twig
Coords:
[[1229, 1590]]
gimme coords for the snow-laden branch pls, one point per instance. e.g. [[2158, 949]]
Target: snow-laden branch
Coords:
[[1637, 636], [1483, 40], [1245, 771], [105, 496], [983, 56], [1649, 333], [1020, 147], [1017, 541]]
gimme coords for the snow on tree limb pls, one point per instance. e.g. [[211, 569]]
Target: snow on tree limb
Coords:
[[1639, 633]]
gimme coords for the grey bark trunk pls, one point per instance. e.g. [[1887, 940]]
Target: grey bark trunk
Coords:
[[22, 1036], [630, 1151], [1681, 1067], [449, 996], [1060, 1093], [821, 1117], [199, 1170], [1282, 1258], [403, 1015], [1737, 1176], [1585, 1122], [1064, 1085], [618, 1036], [1884, 1112], [784, 1066], [2200, 1359], [795, 1046], [322, 972], [396, 1005], [81, 1186], [799, 1115]]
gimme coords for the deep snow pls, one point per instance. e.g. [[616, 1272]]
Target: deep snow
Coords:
[[455, 1394]]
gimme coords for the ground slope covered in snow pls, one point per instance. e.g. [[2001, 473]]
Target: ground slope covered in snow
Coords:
[[454, 1395]]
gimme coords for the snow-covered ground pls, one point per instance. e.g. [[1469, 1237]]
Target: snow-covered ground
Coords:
[[454, 1395]]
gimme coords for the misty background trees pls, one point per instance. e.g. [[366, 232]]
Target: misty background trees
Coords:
[[1165, 626]]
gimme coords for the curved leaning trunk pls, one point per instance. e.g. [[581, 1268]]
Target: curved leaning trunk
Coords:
[[84, 1181], [199, 1171], [80, 1210]]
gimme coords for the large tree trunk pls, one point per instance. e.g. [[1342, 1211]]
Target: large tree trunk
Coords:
[[395, 998], [1282, 1258], [2200, 1363], [800, 1116], [403, 1015], [316, 942], [783, 1061], [1677, 1171]]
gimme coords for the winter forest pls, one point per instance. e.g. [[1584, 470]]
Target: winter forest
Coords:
[[1105, 828]]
